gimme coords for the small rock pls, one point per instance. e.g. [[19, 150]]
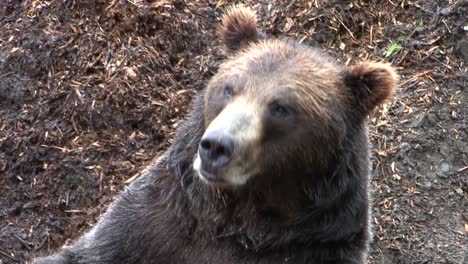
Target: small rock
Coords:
[[459, 191], [418, 120], [398, 110], [209, 10], [427, 185], [420, 29], [418, 146], [445, 11], [444, 167], [24, 236], [396, 177], [387, 188], [432, 119], [421, 218], [404, 147]]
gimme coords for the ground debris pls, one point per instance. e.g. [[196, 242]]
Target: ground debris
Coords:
[[92, 91]]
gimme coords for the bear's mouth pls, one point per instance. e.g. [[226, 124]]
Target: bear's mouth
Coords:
[[230, 176], [206, 174], [211, 177]]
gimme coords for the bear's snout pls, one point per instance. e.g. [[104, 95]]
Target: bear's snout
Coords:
[[229, 145], [216, 150]]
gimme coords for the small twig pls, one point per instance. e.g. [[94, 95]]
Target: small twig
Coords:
[[291, 4], [347, 29], [21, 78], [422, 8], [23, 242], [6, 74], [75, 211], [37, 247], [415, 77], [3, 253], [456, 232], [446, 26]]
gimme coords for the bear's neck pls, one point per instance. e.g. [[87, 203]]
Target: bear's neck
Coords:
[[263, 215], [245, 214], [275, 201]]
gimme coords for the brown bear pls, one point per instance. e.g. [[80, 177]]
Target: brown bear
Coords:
[[271, 166]]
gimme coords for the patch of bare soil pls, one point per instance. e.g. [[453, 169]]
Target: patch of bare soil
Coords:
[[91, 91]]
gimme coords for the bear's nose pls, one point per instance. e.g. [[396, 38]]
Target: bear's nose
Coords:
[[216, 149]]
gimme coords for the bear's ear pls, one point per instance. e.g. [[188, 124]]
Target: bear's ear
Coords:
[[239, 28], [370, 84]]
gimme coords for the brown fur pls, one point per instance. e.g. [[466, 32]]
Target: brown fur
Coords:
[[309, 76], [239, 27], [371, 83]]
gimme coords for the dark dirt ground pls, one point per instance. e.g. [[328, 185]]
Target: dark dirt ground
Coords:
[[91, 91]]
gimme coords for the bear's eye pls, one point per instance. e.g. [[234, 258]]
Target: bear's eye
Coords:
[[278, 110], [228, 90]]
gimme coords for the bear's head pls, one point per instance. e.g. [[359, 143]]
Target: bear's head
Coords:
[[277, 110]]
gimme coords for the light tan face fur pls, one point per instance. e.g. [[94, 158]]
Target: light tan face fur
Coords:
[[240, 120]]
